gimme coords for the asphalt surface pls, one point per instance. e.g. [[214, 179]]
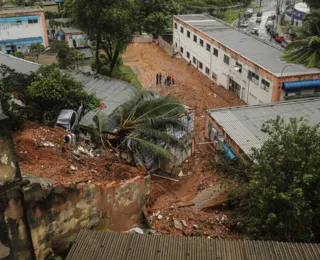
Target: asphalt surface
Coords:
[[268, 8]]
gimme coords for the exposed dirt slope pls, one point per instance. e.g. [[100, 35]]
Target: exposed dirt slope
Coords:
[[42, 152]]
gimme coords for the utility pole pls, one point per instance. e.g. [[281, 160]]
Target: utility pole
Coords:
[[292, 14]]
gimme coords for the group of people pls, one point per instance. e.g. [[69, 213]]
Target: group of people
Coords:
[[168, 80]]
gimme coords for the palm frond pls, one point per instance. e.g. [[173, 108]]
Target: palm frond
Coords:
[[158, 137], [162, 122], [312, 60], [144, 147]]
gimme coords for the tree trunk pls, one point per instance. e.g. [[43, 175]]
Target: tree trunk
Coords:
[[97, 52], [114, 60]]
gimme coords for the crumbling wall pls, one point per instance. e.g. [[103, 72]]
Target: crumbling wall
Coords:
[[56, 213], [166, 46]]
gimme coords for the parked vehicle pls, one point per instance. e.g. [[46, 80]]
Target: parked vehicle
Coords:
[[69, 119], [248, 12], [244, 24], [259, 14], [279, 38], [271, 17], [258, 20], [255, 31], [285, 43]]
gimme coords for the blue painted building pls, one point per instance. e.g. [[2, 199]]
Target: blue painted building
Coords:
[[19, 28]]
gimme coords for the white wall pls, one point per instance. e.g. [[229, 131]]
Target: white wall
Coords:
[[12, 31], [9, 31], [250, 92]]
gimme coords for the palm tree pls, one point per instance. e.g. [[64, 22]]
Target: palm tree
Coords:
[[144, 127], [305, 48]]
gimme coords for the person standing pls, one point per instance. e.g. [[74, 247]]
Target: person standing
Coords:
[[157, 78], [172, 79], [165, 80], [168, 80], [160, 78]]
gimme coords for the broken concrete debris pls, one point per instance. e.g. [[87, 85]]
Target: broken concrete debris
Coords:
[[73, 168], [184, 223], [46, 144], [136, 230], [177, 224], [195, 226], [180, 174]]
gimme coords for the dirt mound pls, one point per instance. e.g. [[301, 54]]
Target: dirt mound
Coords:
[[42, 152]]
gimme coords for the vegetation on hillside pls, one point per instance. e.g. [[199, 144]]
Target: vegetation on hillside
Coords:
[[281, 200], [43, 94]]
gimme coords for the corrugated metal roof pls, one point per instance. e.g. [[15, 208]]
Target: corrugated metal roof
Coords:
[[111, 92], [247, 46], [100, 245], [243, 124], [20, 65], [315, 83]]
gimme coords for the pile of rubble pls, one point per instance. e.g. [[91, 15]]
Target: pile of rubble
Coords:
[[42, 152]]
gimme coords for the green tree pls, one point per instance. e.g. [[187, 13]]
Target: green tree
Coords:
[[305, 49], [109, 23], [36, 49], [314, 4], [283, 197], [68, 58], [143, 126], [155, 16], [43, 93]]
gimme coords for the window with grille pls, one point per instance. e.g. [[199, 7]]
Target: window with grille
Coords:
[[253, 77], [265, 85], [226, 59]]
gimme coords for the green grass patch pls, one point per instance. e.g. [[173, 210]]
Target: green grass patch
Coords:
[[231, 16], [127, 74]]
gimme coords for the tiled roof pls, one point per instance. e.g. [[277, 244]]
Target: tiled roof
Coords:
[[100, 245], [243, 124]]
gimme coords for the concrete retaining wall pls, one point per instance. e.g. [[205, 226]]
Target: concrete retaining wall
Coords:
[[165, 46], [59, 213]]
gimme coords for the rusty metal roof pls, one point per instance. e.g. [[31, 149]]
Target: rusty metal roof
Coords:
[[100, 245]]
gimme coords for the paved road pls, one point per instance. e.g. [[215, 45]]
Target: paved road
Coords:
[[268, 8]]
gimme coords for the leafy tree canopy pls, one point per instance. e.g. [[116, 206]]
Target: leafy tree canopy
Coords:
[[43, 93], [315, 4], [283, 197]]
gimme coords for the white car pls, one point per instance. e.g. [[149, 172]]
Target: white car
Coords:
[[244, 24], [255, 31], [259, 19]]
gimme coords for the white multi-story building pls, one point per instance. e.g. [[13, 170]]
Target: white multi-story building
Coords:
[[19, 28], [250, 68]]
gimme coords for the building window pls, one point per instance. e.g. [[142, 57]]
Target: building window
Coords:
[[188, 34], [175, 26], [181, 49], [226, 59], [181, 29], [33, 21], [207, 71], [195, 38], [208, 47], [253, 77], [265, 85], [201, 42], [238, 67], [200, 65], [215, 52], [194, 60], [214, 76], [188, 55]]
